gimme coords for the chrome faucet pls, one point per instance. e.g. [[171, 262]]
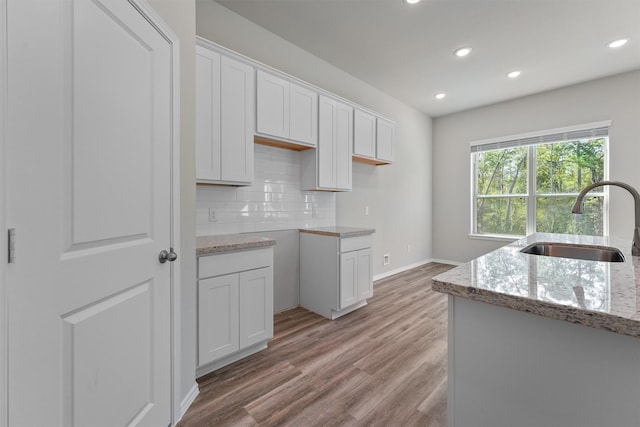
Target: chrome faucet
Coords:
[[578, 208]]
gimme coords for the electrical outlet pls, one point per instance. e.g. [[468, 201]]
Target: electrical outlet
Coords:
[[408, 248], [386, 258], [212, 215], [366, 211]]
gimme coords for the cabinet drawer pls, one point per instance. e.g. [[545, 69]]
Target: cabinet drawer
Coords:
[[354, 243], [233, 262]]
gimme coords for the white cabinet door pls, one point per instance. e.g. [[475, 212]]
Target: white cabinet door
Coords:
[[344, 146], [303, 117], [385, 140], [237, 112], [273, 105], [225, 102], [335, 137], [365, 274], [348, 279], [207, 114], [218, 317], [256, 306], [326, 150], [364, 134]]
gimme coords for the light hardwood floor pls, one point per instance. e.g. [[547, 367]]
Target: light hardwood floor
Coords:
[[382, 365]]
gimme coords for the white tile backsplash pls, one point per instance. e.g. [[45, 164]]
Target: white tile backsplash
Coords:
[[273, 202]]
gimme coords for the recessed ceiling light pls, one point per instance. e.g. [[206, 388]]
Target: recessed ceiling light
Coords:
[[514, 74], [411, 1], [440, 95], [618, 43], [463, 51]]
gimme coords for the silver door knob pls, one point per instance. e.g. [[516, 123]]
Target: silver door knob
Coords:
[[167, 256]]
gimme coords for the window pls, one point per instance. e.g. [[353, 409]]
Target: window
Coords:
[[528, 183]]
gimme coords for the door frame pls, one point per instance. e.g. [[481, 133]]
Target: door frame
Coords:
[[4, 387], [161, 26], [146, 10]]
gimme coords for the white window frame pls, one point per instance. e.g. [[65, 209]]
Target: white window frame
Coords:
[[531, 140]]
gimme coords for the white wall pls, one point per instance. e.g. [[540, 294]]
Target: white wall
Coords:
[[615, 98], [180, 16], [399, 195]]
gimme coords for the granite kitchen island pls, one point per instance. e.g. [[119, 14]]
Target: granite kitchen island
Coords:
[[544, 341]]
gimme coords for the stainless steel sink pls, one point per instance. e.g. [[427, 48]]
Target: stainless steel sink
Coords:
[[565, 250]]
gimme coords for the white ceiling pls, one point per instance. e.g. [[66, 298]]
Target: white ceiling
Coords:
[[407, 50]]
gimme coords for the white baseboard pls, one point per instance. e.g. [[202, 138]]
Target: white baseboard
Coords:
[[400, 270], [217, 364], [445, 261], [188, 400], [414, 265]]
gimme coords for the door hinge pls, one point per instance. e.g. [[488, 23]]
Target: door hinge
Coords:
[[11, 245]]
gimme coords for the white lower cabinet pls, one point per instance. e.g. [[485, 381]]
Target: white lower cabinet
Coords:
[[256, 306], [218, 317], [336, 274], [235, 306], [365, 274]]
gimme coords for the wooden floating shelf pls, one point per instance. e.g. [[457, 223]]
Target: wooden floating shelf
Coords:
[[370, 161], [280, 144]]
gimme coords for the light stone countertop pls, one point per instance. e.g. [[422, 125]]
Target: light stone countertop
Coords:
[[336, 231], [603, 295], [208, 245]]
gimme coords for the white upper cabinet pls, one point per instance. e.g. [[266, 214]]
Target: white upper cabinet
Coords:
[[225, 94], [286, 110], [273, 105], [303, 118], [207, 115], [329, 167], [344, 146], [385, 140], [373, 139], [237, 121], [326, 150], [364, 134]]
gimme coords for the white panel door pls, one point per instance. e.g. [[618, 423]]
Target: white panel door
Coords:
[[365, 274], [326, 150], [207, 115], [344, 146], [218, 313], [385, 140], [89, 170], [256, 306], [364, 134], [303, 117], [273, 105], [348, 279], [237, 110]]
